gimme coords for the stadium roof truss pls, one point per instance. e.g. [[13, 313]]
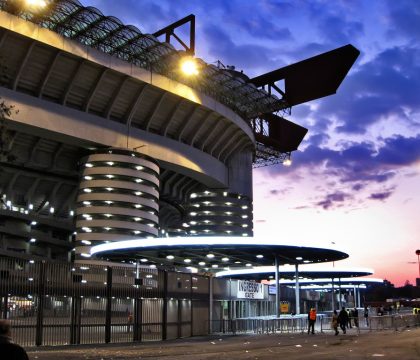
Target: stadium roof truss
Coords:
[[259, 101]]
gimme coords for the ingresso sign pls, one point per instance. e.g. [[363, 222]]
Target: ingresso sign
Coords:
[[250, 290]]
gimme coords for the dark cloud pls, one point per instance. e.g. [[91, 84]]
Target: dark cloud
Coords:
[[386, 86], [223, 48], [404, 19], [381, 195], [333, 200]]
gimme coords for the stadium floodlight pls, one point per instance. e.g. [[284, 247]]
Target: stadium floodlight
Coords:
[[38, 4], [189, 66]]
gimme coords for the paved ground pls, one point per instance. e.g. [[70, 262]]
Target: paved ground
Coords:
[[401, 345]]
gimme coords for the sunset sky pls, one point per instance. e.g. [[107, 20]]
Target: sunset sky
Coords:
[[355, 183]]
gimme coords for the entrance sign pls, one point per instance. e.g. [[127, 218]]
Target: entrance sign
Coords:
[[250, 290]]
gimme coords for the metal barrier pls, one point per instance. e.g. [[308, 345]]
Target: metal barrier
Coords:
[[300, 324]]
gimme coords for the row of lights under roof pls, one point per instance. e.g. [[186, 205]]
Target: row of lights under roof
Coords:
[[207, 212], [208, 193], [111, 163], [8, 205], [109, 176], [228, 203]]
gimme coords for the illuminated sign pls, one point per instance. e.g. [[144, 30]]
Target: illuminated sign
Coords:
[[250, 290]]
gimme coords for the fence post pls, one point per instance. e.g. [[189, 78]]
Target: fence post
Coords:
[[108, 304], [40, 305], [137, 319], [165, 306]]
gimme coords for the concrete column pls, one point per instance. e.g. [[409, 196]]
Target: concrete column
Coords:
[[339, 293], [332, 295]]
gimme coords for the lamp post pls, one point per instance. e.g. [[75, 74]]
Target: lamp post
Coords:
[[418, 259]]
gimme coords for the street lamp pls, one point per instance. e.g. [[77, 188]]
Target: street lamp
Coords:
[[418, 259]]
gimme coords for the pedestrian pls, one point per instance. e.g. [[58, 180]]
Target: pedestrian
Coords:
[[350, 316], [343, 319], [334, 322], [311, 320], [366, 315], [129, 321], [8, 349], [356, 317]]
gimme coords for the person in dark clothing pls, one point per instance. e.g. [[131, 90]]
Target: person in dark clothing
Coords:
[[311, 320], [356, 317], [8, 349], [366, 315], [343, 319]]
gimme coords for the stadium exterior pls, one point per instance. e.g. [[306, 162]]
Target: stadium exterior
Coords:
[[104, 141]]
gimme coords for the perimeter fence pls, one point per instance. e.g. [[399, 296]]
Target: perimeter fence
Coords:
[[61, 303]]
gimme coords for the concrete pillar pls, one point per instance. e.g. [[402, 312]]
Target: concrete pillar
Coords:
[[118, 198], [277, 277]]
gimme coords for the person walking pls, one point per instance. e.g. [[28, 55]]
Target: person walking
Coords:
[[366, 315], [356, 317], [343, 319], [334, 322], [311, 320], [8, 349]]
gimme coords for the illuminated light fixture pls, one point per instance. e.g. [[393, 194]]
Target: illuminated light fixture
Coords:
[[86, 242], [31, 261], [193, 213], [71, 213], [187, 261], [244, 216], [228, 231], [238, 262], [193, 222], [138, 180], [109, 188], [86, 202], [153, 266], [202, 263], [107, 228], [108, 202], [244, 234], [206, 230], [228, 212], [36, 3], [109, 176], [210, 256], [85, 255], [137, 219], [8, 203], [110, 163], [225, 193], [32, 240], [87, 190], [193, 195], [299, 258], [248, 265], [206, 221], [225, 259], [259, 256], [244, 207], [137, 206], [144, 260], [228, 203], [170, 257], [306, 261], [193, 232], [30, 207], [244, 225], [189, 66], [86, 216], [288, 160], [185, 225], [197, 205], [139, 167], [33, 223], [83, 281], [136, 232], [86, 229], [151, 225], [138, 193], [30, 279], [108, 215], [87, 177], [89, 165], [215, 266], [228, 222]]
